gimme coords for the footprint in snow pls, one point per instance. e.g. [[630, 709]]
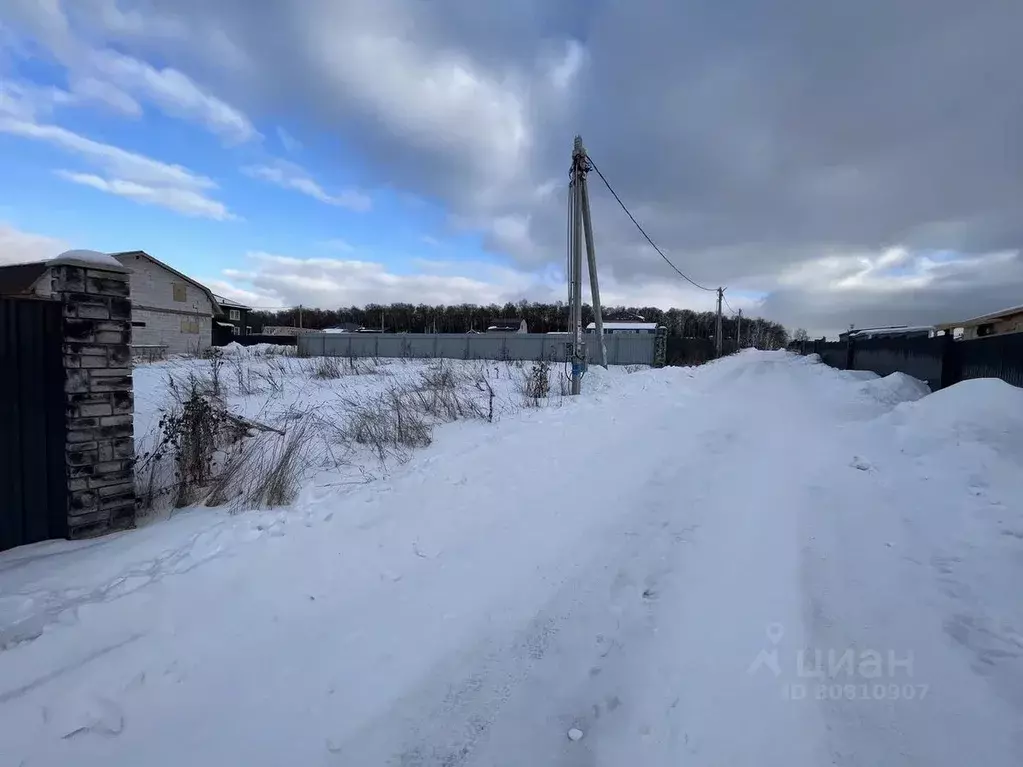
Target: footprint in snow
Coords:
[[860, 463]]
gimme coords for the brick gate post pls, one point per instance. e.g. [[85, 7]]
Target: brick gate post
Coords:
[[98, 395]]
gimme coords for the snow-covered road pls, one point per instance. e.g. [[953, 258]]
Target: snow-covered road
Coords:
[[763, 561]]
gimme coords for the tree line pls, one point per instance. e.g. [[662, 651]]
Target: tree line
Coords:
[[539, 317]]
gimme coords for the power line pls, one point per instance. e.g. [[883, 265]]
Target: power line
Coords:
[[728, 304], [643, 232]]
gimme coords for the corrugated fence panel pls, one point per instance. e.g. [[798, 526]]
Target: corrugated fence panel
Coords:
[[522, 346], [918, 357], [33, 483], [993, 357], [621, 349], [453, 347], [833, 353], [388, 346], [632, 349], [682, 352]]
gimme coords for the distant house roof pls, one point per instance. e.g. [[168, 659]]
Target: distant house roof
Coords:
[[1001, 314], [894, 330], [286, 330], [505, 325], [18, 279], [343, 327], [624, 326], [228, 303], [126, 255]]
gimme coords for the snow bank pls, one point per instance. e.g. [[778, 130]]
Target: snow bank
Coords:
[[894, 389], [235, 349], [983, 411]]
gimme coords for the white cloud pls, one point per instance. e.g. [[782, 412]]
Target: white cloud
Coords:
[[120, 161], [340, 245], [440, 100], [433, 242], [289, 142], [17, 246], [891, 287], [186, 201], [89, 90], [564, 70], [251, 298], [291, 176], [26, 101], [175, 93], [273, 280], [276, 280], [108, 77], [125, 173], [893, 270]]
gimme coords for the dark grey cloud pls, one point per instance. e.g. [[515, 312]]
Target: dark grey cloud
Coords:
[[751, 138]]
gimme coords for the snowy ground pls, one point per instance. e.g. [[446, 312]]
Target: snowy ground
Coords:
[[763, 561]]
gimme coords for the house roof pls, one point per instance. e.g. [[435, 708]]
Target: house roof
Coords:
[[505, 323], [127, 254], [897, 330], [17, 279], [228, 303], [629, 325], [1002, 313]]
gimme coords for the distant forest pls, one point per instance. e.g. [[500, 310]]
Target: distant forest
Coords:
[[540, 318]]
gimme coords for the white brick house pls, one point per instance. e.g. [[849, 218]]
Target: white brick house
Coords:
[[169, 310]]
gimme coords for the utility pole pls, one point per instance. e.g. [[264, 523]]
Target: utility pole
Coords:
[[580, 229], [300, 315], [717, 326], [738, 332]]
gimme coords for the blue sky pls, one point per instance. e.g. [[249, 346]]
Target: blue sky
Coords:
[[827, 169], [348, 212]]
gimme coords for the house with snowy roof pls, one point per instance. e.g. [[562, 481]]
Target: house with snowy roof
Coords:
[[1008, 320], [624, 327], [170, 311]]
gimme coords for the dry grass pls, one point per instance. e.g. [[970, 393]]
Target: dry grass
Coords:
[[332, 368], [216, 458]]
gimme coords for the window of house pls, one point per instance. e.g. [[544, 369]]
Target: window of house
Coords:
[[248, 329], [138, 324], [986, 329], [235, 314], [235, 330], [180, 291], [190, 325]]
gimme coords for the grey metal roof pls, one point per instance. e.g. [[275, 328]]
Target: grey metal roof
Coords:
[[18, 279]]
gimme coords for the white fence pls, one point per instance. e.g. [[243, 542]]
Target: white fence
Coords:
[[630, 349]]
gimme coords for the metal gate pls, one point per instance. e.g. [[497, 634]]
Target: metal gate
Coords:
[[33, 484]]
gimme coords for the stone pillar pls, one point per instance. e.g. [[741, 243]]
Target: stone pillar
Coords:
[[660, 347], [98, 396]]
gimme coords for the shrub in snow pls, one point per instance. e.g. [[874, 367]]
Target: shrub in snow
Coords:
[[536, 384], [189, 434]]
